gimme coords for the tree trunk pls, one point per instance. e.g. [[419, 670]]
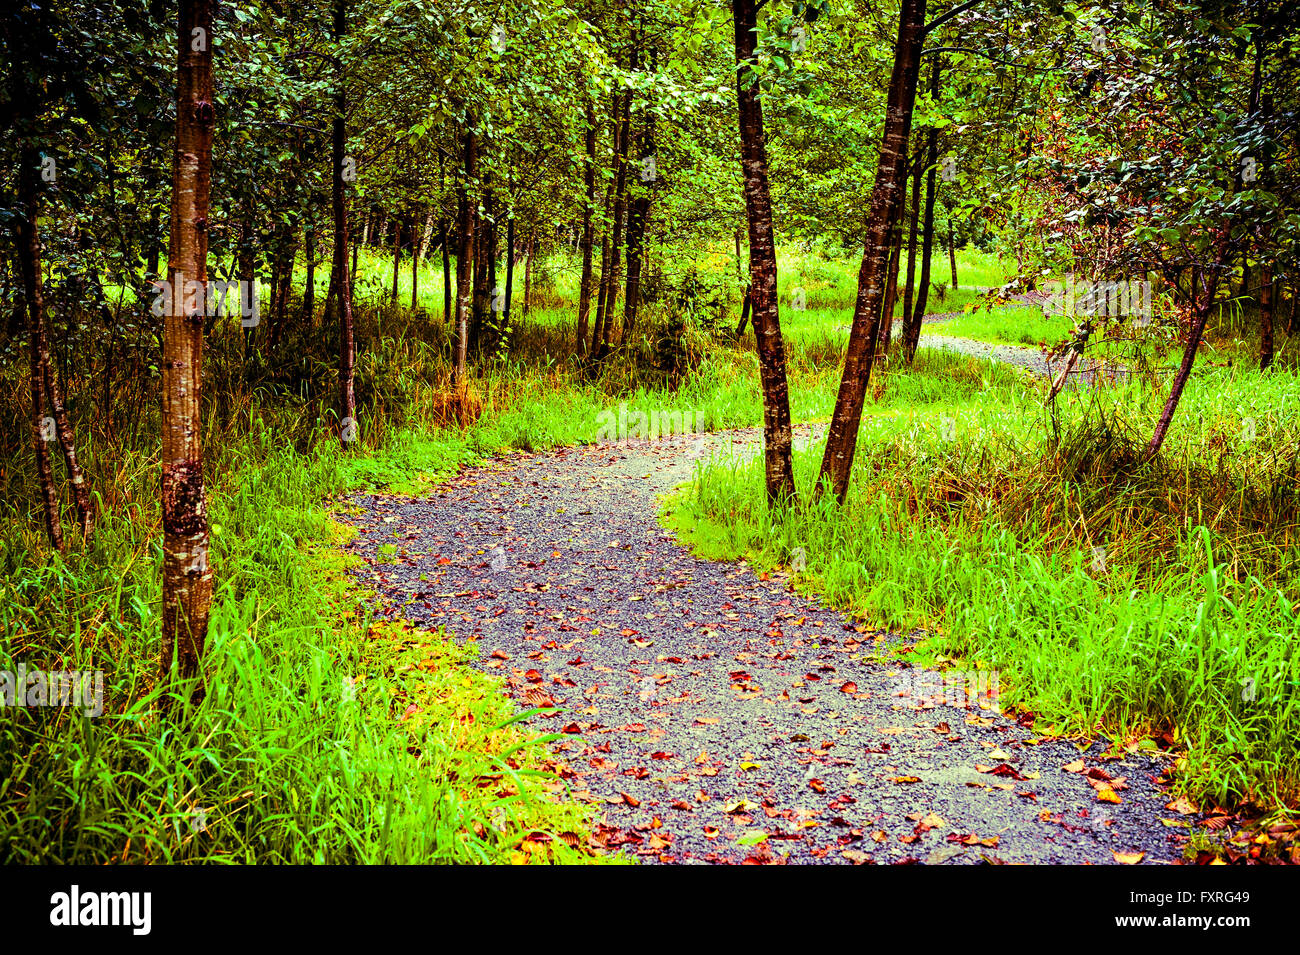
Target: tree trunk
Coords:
[[426, 235], [744, 315], [639, 213], [481, 301], [29, 251], [886, 198], [914, 222], [588, 233], [309, 288], [528, 272], [890, 300], [777, 435], [397, 254], [1265, 316], [611, 278], [912, 332], [186, 577], [465, 261], [510, 271], [342, 277], [415, 267], [602, 285], [1203, 304], [446, 272], [952, 252]]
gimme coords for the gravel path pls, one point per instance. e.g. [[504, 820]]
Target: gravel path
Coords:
[[709, 715]]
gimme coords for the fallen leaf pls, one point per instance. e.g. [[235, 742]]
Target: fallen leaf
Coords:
[[1128, 858]]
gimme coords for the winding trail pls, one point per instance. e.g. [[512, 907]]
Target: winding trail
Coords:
[[710, 715]]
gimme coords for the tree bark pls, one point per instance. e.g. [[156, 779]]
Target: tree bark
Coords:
[[886, 197], [342, 277], [639, 213], [415, 266], [1203, 304], [465, 261], [29, 252], [744, 315], [446, 272], [588, 230], [612, 276], [186, 577], [1265, 315], [778, 438], [510, 271], [913, 331], [913, 225], [952, 252], [528, 271], [890, 300], [309, 288], [397, 253]]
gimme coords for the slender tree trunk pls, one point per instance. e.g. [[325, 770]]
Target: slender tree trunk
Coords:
[[1295, 304], [890, 301], [352, 273], [886, 198], [778, 438], [427, 234], [415, 268], [510, 271], [446, 272], [588, 212], [309, 288], [602, 286], [465, 261], [639, 213], [342, 278], [1203, 303], [952, 252], [528, 272], [187, 578], [913, 225], [29, 251], [1265, 315], [913, 331], [482, 301], [397, 254], [611, 278], [744, 314]]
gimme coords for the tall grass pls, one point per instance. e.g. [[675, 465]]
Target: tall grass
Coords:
[[1144, 601]]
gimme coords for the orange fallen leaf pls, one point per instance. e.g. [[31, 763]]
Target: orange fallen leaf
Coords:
[[1128, 858], [1106, 794]]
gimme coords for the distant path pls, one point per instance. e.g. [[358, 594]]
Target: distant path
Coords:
[[708, 715]]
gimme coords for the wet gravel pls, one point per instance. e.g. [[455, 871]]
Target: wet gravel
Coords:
[[708, 715]]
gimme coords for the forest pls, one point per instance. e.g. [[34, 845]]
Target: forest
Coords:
[[647, 431]]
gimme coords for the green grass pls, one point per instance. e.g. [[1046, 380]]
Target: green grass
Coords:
[[967, 517], [300, 752], [1009, 325]]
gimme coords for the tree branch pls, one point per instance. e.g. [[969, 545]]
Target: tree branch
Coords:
[[955, 11]]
